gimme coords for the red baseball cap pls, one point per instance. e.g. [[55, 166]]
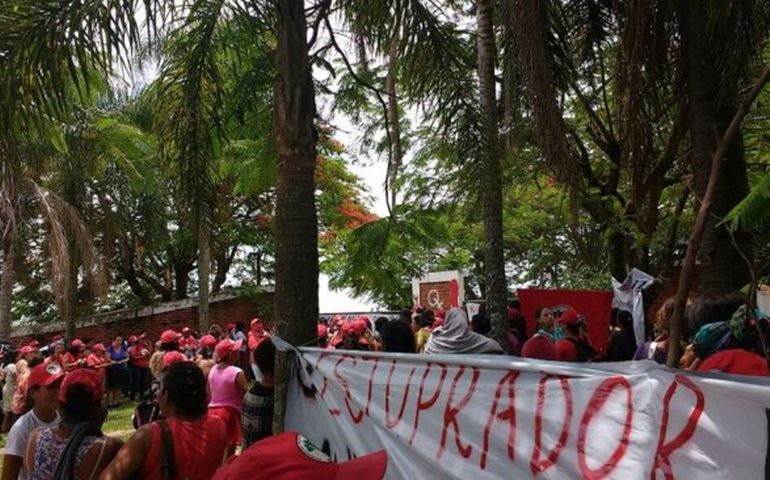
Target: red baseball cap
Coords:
[[226, 347], [169, 336], [349, 328], [229, 326], [208, 341], [98, 347], [44, 375], [186, 330], [132, 339], [570, 317], [170, 358], [78, 343], [290, 456], [90, 379], [255, 321], [26, 349], [34, 344]]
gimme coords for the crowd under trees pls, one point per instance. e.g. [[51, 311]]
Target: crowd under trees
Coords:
[[157, 150]]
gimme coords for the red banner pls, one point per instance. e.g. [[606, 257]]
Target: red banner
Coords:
[[595, 305]]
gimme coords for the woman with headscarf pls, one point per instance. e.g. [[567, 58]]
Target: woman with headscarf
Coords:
[[455, 336]]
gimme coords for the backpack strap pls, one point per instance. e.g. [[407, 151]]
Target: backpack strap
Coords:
[[167, 460]]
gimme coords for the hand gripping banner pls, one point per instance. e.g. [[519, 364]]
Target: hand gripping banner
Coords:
[[492, 417]]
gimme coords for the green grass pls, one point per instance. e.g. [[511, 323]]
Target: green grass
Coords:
[[119, 418]]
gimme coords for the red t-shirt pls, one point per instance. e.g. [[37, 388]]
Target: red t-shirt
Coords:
[[566, 351], [199, 449], [539, 347], [94, 360], [255, 339], [140, 356], [68, 359], [736, 361]]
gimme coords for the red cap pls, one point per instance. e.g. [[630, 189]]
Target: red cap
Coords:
[[186, 330], [362, 324], [438, 322], [98, 347], [290, 456], [349, 328], [169, 336], [78, 343], [226, 347], [44, 375], [570, 317], [255, 321], [208, 341], [230, 326], [132, 339], [323, 330], [736, 361], [34, 344], [90, 379], [170, 358], [26, 349]]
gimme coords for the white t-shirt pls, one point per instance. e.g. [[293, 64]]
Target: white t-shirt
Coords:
[[19, 434]]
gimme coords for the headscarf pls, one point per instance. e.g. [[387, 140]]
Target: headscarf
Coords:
[[455, 336]]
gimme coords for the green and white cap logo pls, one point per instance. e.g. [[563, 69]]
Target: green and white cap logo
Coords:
[[307, 447]]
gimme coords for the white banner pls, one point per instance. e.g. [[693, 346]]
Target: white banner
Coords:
[[628, 296], [490, 417]]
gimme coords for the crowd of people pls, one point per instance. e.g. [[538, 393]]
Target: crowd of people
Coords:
[[205, 395], [721, 333]]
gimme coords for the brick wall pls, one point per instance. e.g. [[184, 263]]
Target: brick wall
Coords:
[[223, 308]]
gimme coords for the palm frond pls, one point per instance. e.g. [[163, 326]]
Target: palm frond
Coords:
[[753, 212]]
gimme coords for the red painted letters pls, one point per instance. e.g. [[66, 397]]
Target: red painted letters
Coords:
[[426, 404], [451, 412], [538, 464], [509, 414]]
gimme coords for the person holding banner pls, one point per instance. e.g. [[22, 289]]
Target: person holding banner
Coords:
[[455, 336], [541, 345]]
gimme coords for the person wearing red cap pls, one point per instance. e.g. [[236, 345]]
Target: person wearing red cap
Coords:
[[76, 448], [98, 360], [169, 342], [322, 332], [58, 354], [194, 441], [187, 342], [290, 456], [574, 347], [73, 359], [227, 384], [541, 344], [257, 335], [43, 387], [205, 357]]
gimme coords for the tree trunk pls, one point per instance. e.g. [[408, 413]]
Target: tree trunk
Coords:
[[6, 291], [397, 151], [711, 110], [491, 187], [296, 223], [204, 272]]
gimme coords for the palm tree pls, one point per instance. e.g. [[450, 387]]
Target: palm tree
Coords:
[[491, 179]]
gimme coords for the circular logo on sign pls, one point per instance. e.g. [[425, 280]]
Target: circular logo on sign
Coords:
[[306, 446], [434, 300]]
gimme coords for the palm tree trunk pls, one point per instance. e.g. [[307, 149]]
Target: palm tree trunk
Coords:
[[492, 189], [711, 110], [6, 291], [296, 223], [397, 151], [204, 272]]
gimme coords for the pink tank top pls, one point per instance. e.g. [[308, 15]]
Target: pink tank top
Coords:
[[224, 391]]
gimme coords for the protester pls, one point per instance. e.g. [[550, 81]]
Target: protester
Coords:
[[517, 331], [290, 456], [168, 343], [257, 417], [257, 335], [43, 387], [76, 448], [57, 356], [74, 359], [139, 353], [9, 387], [398, 337], [188, 342], [622, 343], [117, 371], [455, 336], [349, 338], [541, 344], [426, 327], [574, 347], [216, 332], [657, 349], [379, 323], [98, 360], [20, 403], [322, 332], [205, 359], [730, 346], [194, 442], [480, 322], [227, 385]]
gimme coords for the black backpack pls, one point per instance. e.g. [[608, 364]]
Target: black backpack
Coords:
[[586, 352]]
